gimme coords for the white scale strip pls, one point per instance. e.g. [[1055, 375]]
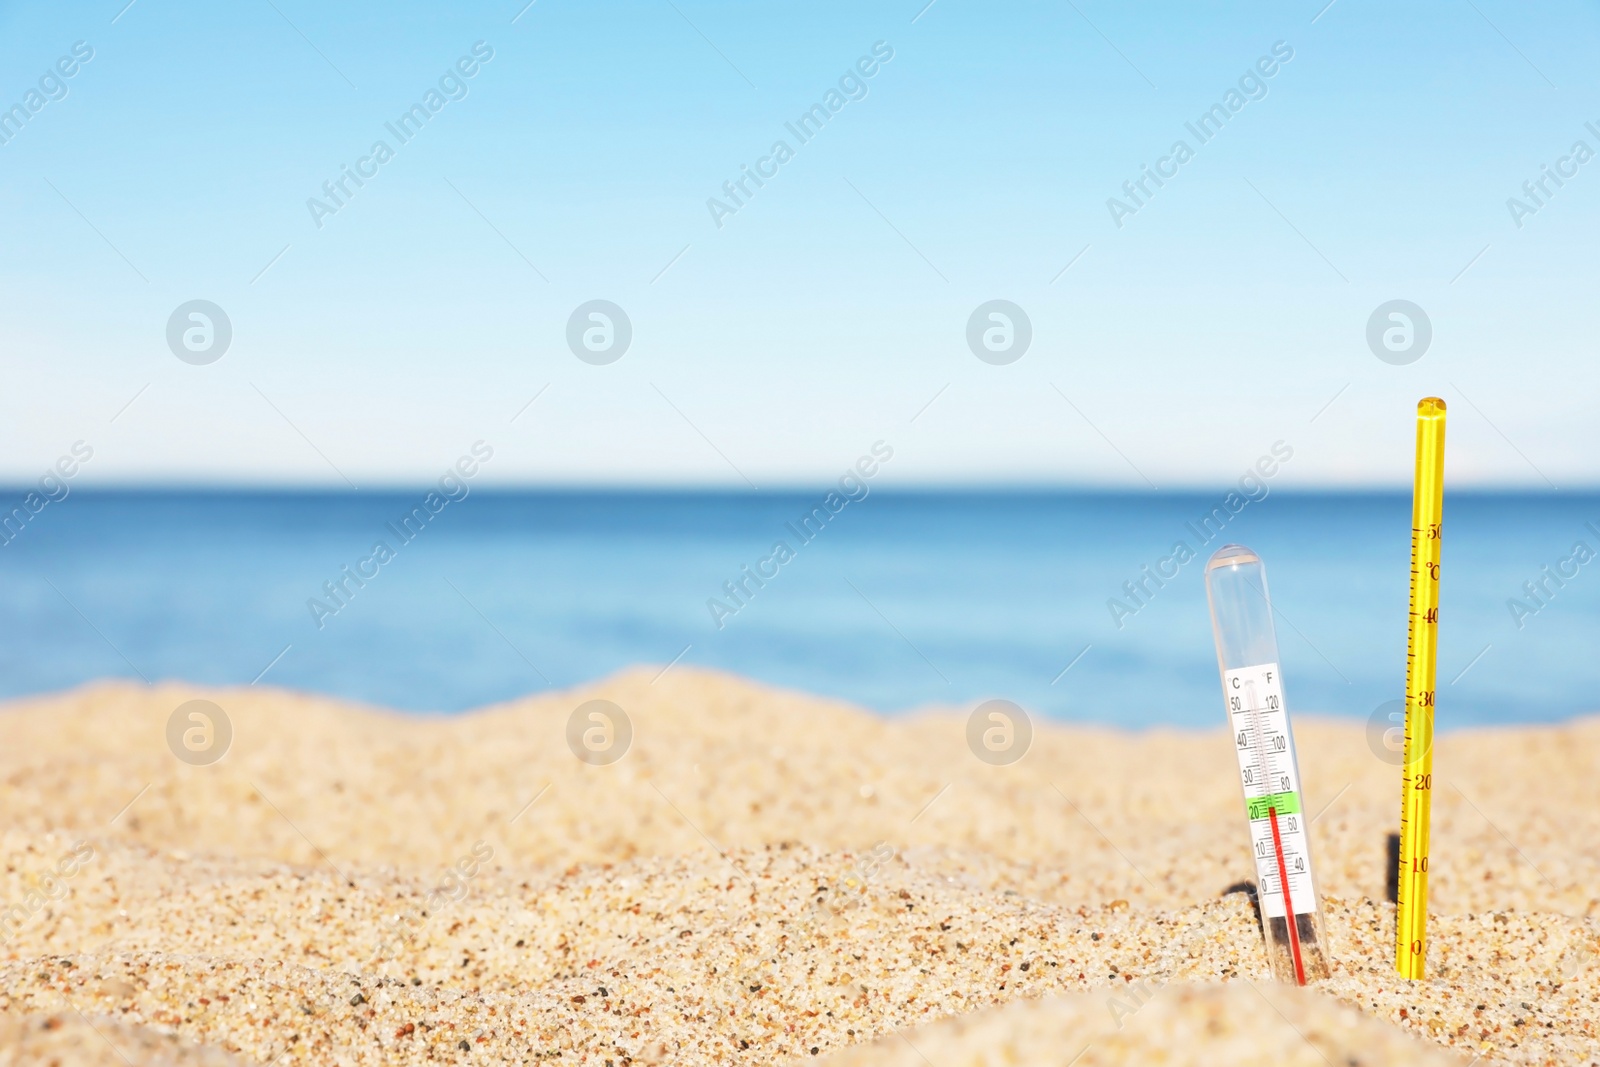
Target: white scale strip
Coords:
[[1271, 781]]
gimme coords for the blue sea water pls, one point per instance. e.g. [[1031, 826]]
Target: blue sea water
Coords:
[[901, 600]]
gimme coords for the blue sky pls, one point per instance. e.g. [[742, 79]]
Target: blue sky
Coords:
[[1229, 312]]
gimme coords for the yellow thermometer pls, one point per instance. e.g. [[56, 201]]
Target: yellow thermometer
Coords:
[[1422, 648]]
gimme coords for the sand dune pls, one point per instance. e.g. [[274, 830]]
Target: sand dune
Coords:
[[763, 876]]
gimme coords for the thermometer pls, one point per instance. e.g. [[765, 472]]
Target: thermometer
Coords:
[[1258, 728], [1422, 654]]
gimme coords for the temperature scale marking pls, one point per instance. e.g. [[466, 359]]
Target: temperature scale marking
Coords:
[[1272, 797], [1271, 786]]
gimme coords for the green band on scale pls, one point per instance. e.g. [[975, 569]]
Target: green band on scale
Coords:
[[1286, 803]]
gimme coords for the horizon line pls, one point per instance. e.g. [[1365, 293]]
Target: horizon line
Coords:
[[931, 488]]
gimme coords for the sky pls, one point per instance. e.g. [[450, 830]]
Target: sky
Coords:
[[1174, 333]]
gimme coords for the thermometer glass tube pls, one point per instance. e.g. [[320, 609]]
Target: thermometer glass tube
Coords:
[[1259, 730]]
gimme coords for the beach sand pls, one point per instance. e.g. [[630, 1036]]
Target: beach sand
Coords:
[[764, 876]]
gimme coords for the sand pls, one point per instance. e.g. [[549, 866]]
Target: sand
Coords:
[[765, 876]]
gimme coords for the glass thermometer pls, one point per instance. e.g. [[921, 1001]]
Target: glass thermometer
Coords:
[[1422, 654], [1258, 728]]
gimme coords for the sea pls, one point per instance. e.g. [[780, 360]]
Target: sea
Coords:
[[1080, 606]]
